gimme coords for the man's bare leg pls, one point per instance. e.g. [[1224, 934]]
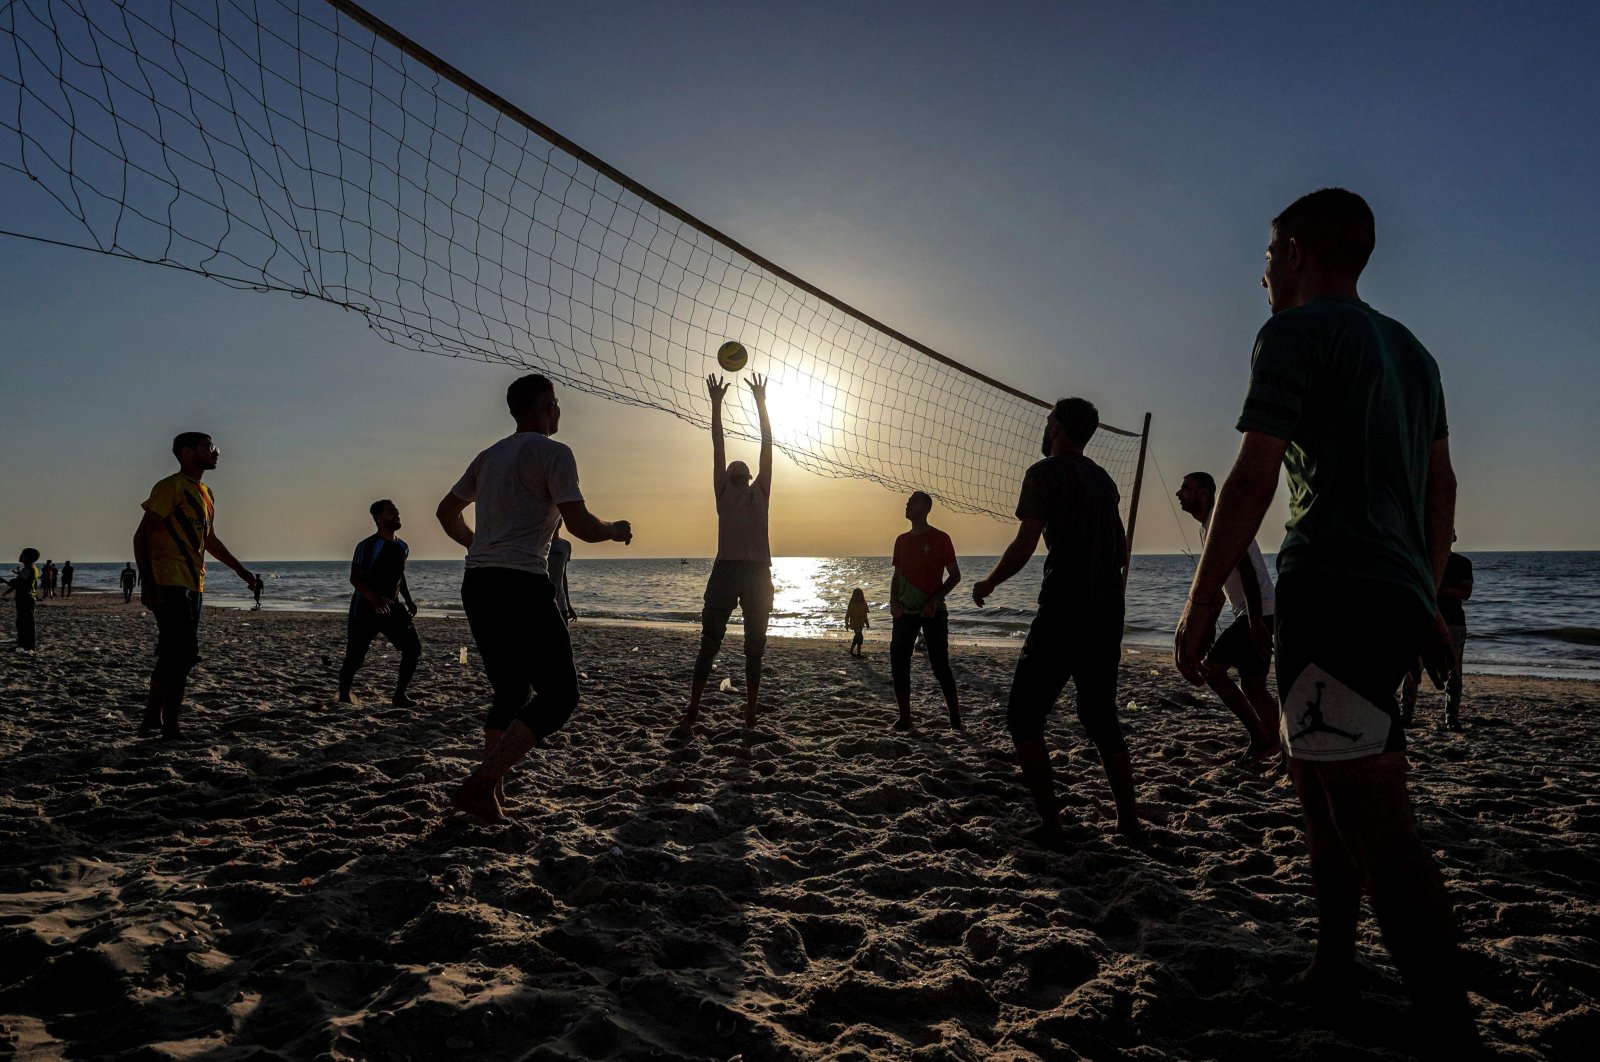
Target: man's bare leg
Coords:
[[151, 722], [491, 738], [1266, 706], [475, 796], [685, 728], [1119, 772], [752, 690], [1336, 882], [1240, 706], [1033, 757]]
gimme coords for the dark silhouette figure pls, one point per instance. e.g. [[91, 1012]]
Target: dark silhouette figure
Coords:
[[24, 584], [378, 572], [66, 579], [130, 580]]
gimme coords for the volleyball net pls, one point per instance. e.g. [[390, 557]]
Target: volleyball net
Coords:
[[303, 146]]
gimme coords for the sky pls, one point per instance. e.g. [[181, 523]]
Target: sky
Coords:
[[1073, 198]]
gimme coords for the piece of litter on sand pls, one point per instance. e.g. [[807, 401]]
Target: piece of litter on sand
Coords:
[[1134, 652], [463, 655], [727, 684], [1135, 706], [635, 649]]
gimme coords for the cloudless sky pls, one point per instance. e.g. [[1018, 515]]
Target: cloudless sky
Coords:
[[1072, 197]]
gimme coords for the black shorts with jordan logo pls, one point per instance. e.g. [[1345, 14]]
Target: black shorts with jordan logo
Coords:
[[1343, 645]]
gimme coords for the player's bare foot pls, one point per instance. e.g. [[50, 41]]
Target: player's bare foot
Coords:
[[682, 732], [955, 721], [400, 700], [346, 698], [903, 723], [1322, 985], [477, 799]]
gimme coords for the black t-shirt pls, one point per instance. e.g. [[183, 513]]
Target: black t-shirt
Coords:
[[1457, 570], [1078, 503], [382, 564]]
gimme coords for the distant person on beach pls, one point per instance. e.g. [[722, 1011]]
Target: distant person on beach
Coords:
[[856, 619], [922, 556], [1077, 632], [560, 555], [170, 547], [24, 585], [1349, 403], [130, 579], [741, 575], [66, 579], [1246, 646], [378, 572], [48, 581], [520, 486], [1453, 591]]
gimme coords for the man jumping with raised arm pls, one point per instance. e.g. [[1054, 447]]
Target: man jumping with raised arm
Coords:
[[1246, 646], [916, 601], [521, 486], [378, 572], [1077, 633], [741, 575], [170, 547], [1349, 403]]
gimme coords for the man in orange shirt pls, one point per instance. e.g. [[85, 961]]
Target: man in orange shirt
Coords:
[[170, 549], [916, 601]]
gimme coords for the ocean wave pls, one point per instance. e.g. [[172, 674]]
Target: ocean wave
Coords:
[[1572, 635]]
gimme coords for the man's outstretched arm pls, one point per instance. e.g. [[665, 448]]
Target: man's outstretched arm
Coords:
[[588, 527], [719, 456], [1240, 507], [1012, 560], [758, 388], [1439, 522], [141, 557]]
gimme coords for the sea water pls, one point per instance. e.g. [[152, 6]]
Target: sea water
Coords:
[[1530, 613]]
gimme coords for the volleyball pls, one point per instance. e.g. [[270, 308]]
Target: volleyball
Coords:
[[732, 355]]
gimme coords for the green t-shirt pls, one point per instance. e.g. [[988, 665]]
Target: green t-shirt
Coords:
[[1358, 399]]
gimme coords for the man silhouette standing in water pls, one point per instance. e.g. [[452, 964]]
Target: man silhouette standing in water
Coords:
[[1349, 403], [1077, 632], [741, 575], [170, 547]]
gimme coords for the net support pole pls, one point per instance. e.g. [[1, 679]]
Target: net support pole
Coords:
[[1133, 505]]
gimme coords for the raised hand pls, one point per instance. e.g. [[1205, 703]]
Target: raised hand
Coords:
[[758, 387], [717, 388], [622, 530]]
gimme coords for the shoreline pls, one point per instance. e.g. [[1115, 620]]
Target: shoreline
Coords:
[[1156, 648]]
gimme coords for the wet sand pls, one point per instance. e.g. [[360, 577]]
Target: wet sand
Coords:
[[287, 882]]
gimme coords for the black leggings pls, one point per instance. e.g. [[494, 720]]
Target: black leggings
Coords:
[[396, 626], [1055, 652], [27, 632], [903, 645], [526, 648]]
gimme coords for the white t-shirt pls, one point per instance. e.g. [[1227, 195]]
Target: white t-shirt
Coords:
[[1233, 589], [517, 485]]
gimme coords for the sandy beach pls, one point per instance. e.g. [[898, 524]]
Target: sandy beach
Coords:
[[287, 881]]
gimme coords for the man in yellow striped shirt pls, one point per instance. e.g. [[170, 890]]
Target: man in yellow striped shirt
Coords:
[[170, 549]]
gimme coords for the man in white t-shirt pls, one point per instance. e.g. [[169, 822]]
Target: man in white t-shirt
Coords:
[[521, 487], [1246, 646]]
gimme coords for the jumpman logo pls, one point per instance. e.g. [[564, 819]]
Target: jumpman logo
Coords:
[[1313, 722]]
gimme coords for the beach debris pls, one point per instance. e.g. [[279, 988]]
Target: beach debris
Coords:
[[462, 658], [1135, 706], [727, 684]]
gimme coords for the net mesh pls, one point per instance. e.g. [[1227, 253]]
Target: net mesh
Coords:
[[295, 146]]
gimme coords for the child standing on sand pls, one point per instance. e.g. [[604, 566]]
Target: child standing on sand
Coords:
[[26, 587], [855, 617]]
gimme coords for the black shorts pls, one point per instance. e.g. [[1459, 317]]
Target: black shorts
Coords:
[[1343, 646], [178, 632], [1237, 650]]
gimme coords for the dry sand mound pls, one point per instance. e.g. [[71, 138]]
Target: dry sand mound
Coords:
[[286, 883]]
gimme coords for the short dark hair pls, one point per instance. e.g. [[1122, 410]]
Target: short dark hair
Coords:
[[1333, 224], [1078, 418], [1205, 480], [29, 556], [526, 392], [185, 439], [922, 496], [378, 506]]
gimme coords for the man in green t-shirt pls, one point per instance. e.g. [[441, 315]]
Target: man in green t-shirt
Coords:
[[1349, 403]]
